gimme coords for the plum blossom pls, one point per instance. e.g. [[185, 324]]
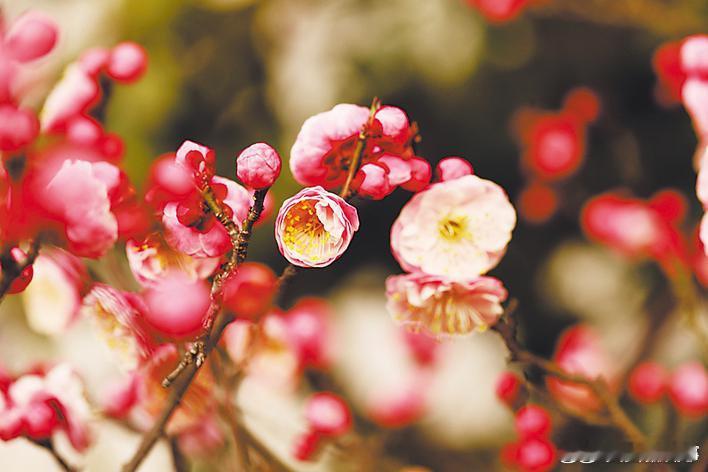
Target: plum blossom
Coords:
[[53, 300], [249, 292], [443, 307], [151, 259], [324, 148], [37, 406], [258, 166], [450, 168], [457, 229], [315, 227]]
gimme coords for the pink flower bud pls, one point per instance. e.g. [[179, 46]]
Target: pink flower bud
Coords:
[[421, 172], [18, 127], [94, 60], [394, 123], [249, 292], [306, 446], [258, 166], [31, 36], [328, 414], [309, 332], [374, 182], [119, 398], [451, 168], [538, 202], [647, 382], [315, 227], [508, 388], [127, 62], [694, 56], [688, 389], [535, 454], [532, 420], [177, 305]]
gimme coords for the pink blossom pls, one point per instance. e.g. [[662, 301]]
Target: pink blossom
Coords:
[[127, 62], [695, 99], [53, 299], [258, 166], [37, 406], [375, 183], [688, 389], [327, 416], [579, 351], [309, 332], [120, 319], [458, 229], [450, 168], [73, 95], [249, 292], [204, 236], [199, 159], [18, 127], [79, 196], [443, 307], [315, 227], [120, 397], [151, 260], [694, 56], [30, 37], [177, 305]]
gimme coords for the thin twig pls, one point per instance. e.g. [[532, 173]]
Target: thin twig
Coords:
[[49, 446], [617, 416], [178, 459], [12, 269]]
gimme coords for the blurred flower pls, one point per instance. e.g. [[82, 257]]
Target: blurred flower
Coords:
[[37, 406], [538, 202], [450, 168], [309, 332], [120, 397], [444, 307], [458, 229], [177, 305], [258, 166], [688, 389], [647, 382], [500, 11], [579, 351], [202, 439], [315, 227], [127, 62], [249, 292], [151, 260], [53, 299], [327, 416]]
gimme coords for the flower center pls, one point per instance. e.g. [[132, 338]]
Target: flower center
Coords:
[[453, 228], [304, 233]]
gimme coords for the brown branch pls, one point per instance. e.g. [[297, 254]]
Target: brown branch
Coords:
[[181, 378], [12, 269], [617, 416], [49, 446], [179, 461], [359, 149]]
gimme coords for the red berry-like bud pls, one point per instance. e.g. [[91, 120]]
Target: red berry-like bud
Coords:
[[583, 103], [127, 62], [308, 332], [31, 36], [508, 388], [451, 168], [306, 446], [328, 415], [25, 277], [688, 389], [249, 293], [647, 382], [535, 454], [177, 305], [532, 420], [421, 173], [538, 203], [258, 166]]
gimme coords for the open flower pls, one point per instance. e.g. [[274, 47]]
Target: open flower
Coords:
[[458, 229], [315, 227], [444, 307]]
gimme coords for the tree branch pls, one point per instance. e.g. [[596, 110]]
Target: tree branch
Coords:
[[49, 446], [616, 415]]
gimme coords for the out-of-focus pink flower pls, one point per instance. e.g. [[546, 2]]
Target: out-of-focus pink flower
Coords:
[[458, 229], [500, 11], [190, 230], [309, 332], [37, 406], [315, 227], [579, 351], [399, 407], [538, 202], [202, 439], [669, 72], [30, 37], [249, 292], [647, 382], [444, 307], [532, 421], [53, 299], [73, 95], [18, 127], [120, 319], [25, 277], [151, 260], [631, 226], [532, 454], [510, 390], [258, 166], [327, 415], [450, 168], [177, 305], [119, 398], [127, 62], [423, 348], [688, 389], [695, 99], [694, 56], [80, 196], [325, 146]]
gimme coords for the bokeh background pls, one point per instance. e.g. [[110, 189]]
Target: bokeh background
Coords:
[[228, 73]]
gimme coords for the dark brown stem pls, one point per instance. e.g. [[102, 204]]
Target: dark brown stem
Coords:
[[12, 269], [616, 415], [178, 459], [47, 444], [359, 149]]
